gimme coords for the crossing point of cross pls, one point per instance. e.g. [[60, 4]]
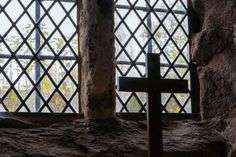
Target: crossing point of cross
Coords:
[[153, 85]]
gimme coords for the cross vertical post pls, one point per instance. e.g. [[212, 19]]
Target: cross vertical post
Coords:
[[153, 85], [154, 127]]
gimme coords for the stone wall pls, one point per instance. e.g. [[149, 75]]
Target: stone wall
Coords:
[[214, 50]]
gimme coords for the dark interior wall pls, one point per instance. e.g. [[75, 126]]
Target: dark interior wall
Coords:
[[213, 47], [214, 50]]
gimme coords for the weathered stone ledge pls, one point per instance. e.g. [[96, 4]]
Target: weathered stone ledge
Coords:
[[110, 138]]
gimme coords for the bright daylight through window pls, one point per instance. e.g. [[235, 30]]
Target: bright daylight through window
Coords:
[[39, 53], [152, 26], [38, 56]]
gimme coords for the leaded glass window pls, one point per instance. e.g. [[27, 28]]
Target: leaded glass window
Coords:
[[152, 26], [38, 56]]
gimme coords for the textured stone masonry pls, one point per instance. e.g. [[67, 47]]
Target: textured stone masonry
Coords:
[[97, 93], [214, 50]]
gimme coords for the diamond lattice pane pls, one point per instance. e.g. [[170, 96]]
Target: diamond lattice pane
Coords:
[[24, 86], [172, 106], [4, 85], [12, 101], [133, 105], [57, 104], [67, 88], [31, 101]]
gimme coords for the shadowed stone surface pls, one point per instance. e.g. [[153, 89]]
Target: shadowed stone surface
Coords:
[[214, 50], [109, 138], [230, 135]]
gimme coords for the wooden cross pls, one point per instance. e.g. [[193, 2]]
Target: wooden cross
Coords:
[[153, 85]]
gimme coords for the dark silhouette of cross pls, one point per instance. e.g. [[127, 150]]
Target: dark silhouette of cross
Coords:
[[153, 85]]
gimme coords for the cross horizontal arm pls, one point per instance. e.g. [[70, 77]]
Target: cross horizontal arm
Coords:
[[147, 85], [173, 86], [133, 84]]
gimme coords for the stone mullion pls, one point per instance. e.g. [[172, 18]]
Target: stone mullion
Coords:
[[97, 78]]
